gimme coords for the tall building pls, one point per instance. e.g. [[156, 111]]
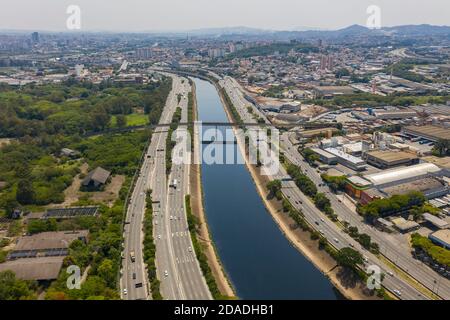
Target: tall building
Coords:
[[35, 37]]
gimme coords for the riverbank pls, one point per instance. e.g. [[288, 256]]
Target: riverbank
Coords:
[[349, 287], [204, 237]]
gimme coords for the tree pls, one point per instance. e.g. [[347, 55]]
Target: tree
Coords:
[[347, 257], [121, 121], [25, 192], [442, 148], [274, 187], [106, 271], [12, 288]]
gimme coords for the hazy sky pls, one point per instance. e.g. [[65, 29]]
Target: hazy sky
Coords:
[[157, 15]]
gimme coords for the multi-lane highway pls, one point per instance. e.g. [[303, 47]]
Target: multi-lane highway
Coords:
[[177, 265], [317, 219]]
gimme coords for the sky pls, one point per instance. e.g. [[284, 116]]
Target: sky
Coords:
[[181, 15]]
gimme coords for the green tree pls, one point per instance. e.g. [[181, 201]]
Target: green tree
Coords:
[[25, 192], [12, 288], [347, 257], [121, 121], [107, 272], [274, 187]]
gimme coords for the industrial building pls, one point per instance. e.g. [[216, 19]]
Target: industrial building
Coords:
[[324, 156], [429, 132], [389, 159], [394, 114], [441, 238], [348, 160], [396, 176]]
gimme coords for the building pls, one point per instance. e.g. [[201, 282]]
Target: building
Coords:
[[431, 188], [428, 132], [46, 244], [356, 185], [66, 152], [396, 176], [37, 269], [324, 156], [72, 212], [307, 134], [394, 114], [404, 225], [441, 238], [389, 159], [435, 221], [96, 177], [332, 91], [35, 37], [348, 160]]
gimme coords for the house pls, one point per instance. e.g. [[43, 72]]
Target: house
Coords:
[[66, 152], [96, 177]]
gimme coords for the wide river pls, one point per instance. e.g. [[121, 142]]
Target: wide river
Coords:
[[260, 262]]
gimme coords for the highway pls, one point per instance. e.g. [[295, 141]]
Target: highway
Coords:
[[177, 267], [335, 236]]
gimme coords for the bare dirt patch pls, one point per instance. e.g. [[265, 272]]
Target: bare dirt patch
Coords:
[[111, 192]]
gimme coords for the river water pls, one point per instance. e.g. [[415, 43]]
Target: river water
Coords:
[[260, 262]]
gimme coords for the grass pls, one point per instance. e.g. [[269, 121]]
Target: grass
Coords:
[[134, 119]]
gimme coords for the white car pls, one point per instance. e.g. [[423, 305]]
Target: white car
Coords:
[[166, 274], [321, 231], [322, 219], [159, 236], [336, 240], [397, 292], [190, 249], [125, 292]]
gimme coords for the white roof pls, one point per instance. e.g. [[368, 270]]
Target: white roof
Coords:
[[399, 174], [346, 156]]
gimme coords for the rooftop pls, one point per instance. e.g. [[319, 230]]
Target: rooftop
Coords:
[[421, 185], [392, 156], [34, 268], [399, 174], [432, 131], [49, 240]]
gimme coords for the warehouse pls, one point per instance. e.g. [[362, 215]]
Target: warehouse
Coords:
[[390, 159], [435, 221], [348, 160], [324, 156], [441, 238], [430, 187], [429, 132], [396, 176]]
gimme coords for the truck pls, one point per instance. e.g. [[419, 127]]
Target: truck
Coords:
[[132, 256]]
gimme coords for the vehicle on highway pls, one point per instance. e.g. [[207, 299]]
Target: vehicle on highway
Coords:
[[352, 245], [322, 219], [397, 292], [174, 184], [190, 249], [166, 273], [132, 256], [321, 232], [390, 273], [159, 236], [125, 292], [336, 240], [316, 222], [134, 275]]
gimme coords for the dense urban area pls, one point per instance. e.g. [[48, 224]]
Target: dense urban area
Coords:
[[88, 180]]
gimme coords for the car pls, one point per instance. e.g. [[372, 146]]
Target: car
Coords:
[[171, 217], [390, 273], [134, 275], [352, 245], [125, 292], [336, 240], [397, 292], [322, 219], [159, 236], [166, 273], [316, 222], [321, 232], [190, 249]]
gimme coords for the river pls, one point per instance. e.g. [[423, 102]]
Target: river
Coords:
[[260, 262]]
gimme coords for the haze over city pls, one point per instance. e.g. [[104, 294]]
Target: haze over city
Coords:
[[182, 15]]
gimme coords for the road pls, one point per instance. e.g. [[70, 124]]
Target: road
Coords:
[[335, 236], [177, 268], [390, 247]]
